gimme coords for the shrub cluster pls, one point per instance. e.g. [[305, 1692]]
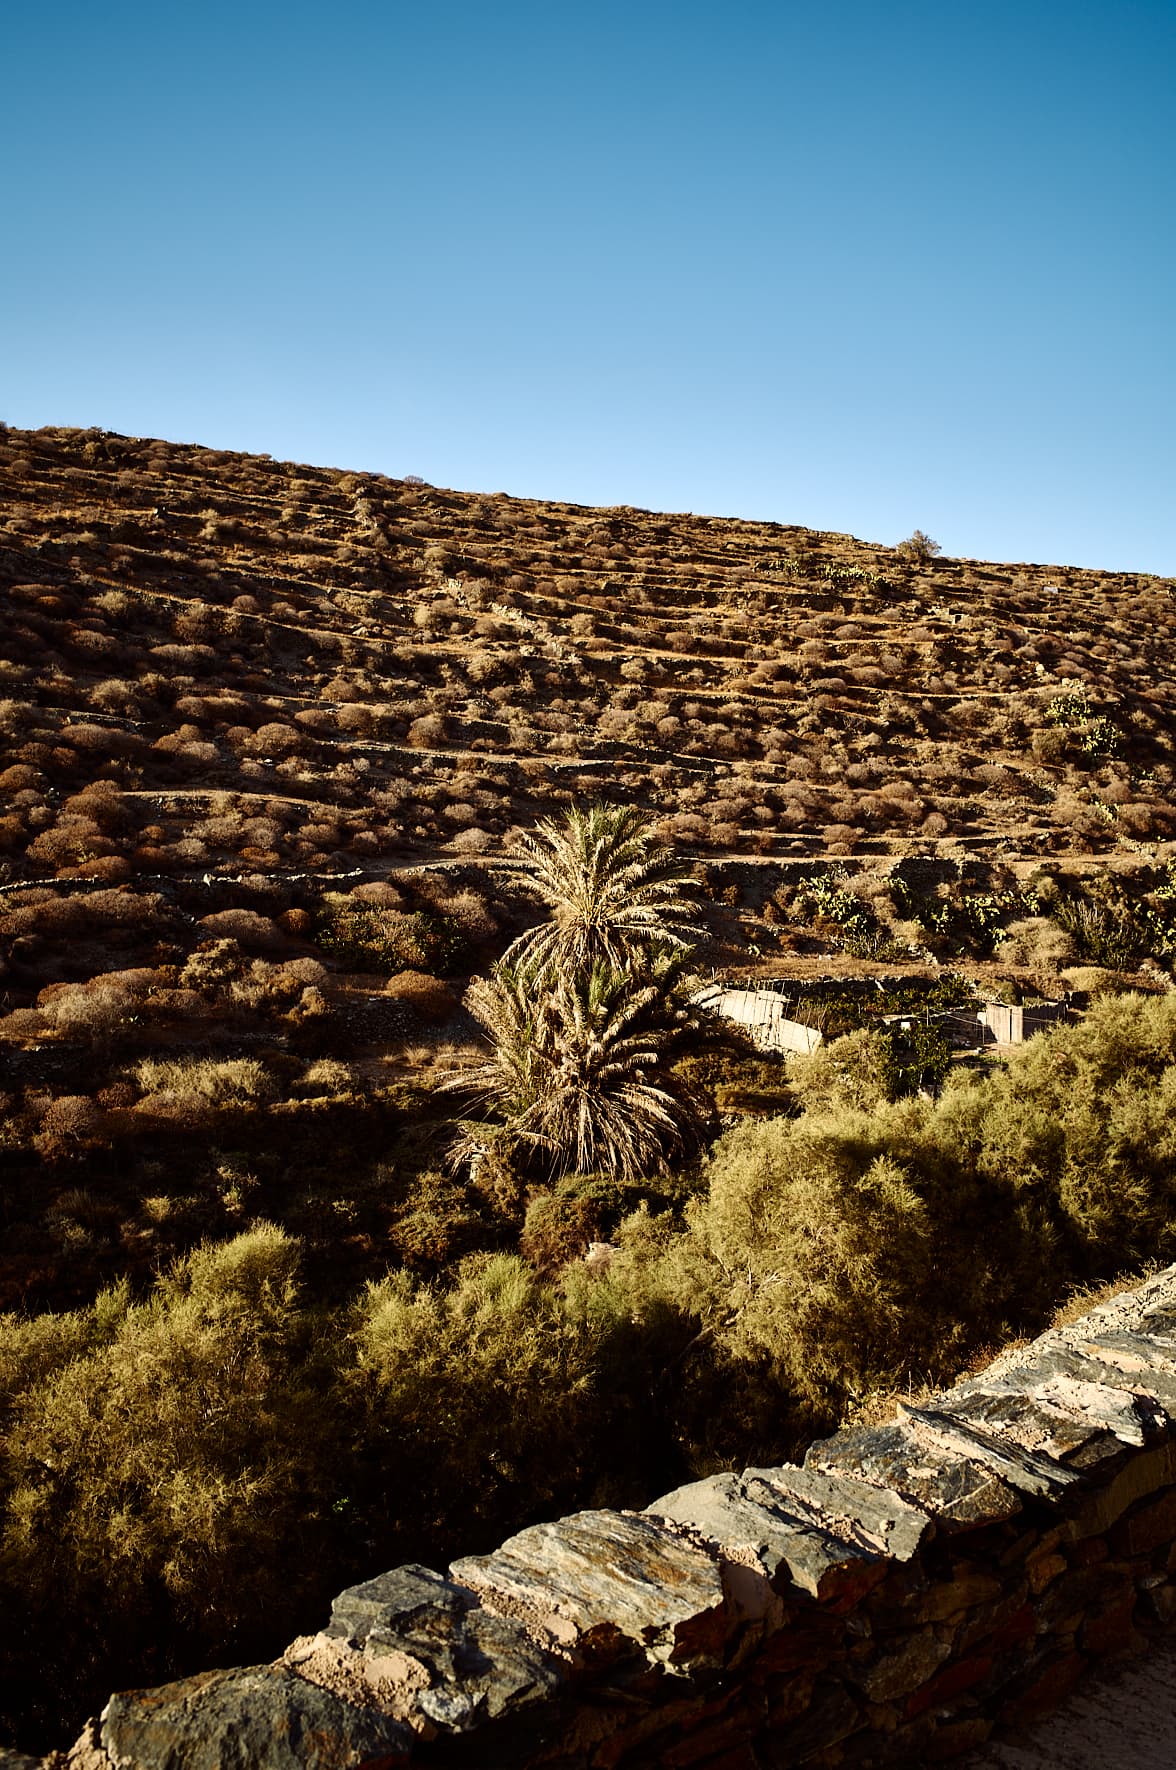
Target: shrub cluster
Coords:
[[188, 1473], [371, 937]]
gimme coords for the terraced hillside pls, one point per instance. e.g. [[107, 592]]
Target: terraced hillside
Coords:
[[218, 662], [265, 732]]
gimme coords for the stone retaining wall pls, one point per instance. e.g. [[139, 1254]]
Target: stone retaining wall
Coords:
[[890, 1602], [761, 1013]]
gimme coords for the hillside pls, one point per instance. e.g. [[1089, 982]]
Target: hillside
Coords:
[[266, 733], [281, 667], [266, 730]]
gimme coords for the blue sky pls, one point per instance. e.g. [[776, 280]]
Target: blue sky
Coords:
[[859, 266]]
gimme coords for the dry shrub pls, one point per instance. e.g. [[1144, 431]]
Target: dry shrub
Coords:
[[20, 778], [95, 915], [91, 1010], [471, 910], [1094, 981], [68, 1125], [326, 1077], [71, 840], [212, 967], [79, 1207], [108, 869], [103, 802], [187, 745], [281, 986], [1049, 745], [427, 732], [105, 740], [322, 721], [1143, 820], [12, 834], [277, 739], [303, 971], [1037, 942], [839, 838], [471, 841], [381, 894], [245, 927], [429, 999], [320, 838], [224, 1081]]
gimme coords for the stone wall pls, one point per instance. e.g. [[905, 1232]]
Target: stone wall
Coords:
[[761, 1014], [909, 1588], [1011, 1025]]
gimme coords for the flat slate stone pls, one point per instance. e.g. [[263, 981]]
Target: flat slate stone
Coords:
[[1131, 1351], [1113, 1361], [598, 1580], [1159, 1322], [959, 1492], [1156, 1349], [1025, 1470], [260, 1718], [1126, 1416], [1011, 1408], [762, 1526], [391, 1599], [884, 1519], [480, 1665]]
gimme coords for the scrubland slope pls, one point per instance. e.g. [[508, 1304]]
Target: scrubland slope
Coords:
[[279, 666], [265, 732]]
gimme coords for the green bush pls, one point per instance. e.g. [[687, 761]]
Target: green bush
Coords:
[[867, 1068], [1084, 1116], [919, 548], [853, 1071], [558, 1228], [369, 937], [919, 1058], [190, 1474], [473, 1404], [161, 1459]]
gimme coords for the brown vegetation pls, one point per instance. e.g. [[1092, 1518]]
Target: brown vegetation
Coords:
[[266, 735], [188, 694]]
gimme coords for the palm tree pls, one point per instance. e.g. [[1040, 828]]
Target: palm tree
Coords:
[[609, 888], [577, 1069]]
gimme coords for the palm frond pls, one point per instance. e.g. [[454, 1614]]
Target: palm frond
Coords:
[[577, 1071], [609, 888]]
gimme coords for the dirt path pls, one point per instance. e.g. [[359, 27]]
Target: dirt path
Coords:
[[1124, 1719]]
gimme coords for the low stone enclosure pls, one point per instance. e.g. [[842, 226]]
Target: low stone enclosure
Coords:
[[762, 1012], [911, 1587]]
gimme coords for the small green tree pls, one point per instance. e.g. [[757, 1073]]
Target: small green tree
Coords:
[[827, 1245], [158, 1458], [477, 1395]]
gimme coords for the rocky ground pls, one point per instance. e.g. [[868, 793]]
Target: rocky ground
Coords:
[[1124, 1720]]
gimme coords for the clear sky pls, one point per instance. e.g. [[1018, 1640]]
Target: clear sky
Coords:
[[864, 266]]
